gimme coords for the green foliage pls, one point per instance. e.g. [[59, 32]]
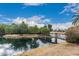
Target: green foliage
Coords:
[[33, 30], [44, 30], [72, 35], [75, 18], [11, 29], [23, 29], [50, 27], [2, 29], [8, 30], [16, 29]]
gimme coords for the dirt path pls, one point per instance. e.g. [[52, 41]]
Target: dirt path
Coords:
[[63, 49]]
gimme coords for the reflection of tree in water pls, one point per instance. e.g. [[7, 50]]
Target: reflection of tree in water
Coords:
[[22, 43], [34, 44], [19, 43], [46, 40]]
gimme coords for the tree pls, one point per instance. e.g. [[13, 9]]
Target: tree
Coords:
[[44, 30], [33, 30], [2, 29], [9, 29], [14, 28], [37, 31], [50, 27], [22, 28], [75, 18]]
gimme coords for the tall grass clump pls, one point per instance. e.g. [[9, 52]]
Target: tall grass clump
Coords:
[[73, 35]]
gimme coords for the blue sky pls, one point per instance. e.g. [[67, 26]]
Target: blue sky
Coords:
[[55, 12]]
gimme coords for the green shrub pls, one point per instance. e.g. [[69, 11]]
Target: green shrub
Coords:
[[72, 35]]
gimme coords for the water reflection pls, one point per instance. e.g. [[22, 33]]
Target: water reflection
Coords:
[[14, 46]]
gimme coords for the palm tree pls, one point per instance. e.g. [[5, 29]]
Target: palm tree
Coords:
[[75, 19]]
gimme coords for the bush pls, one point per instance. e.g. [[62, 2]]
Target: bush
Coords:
[[72, 35]]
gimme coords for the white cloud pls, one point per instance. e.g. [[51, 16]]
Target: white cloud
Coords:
[[32, 4], [31, 21], [40, 21], [71, 7], [62, 26], [4, 19]]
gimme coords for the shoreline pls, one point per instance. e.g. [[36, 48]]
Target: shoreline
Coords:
[[18, 36], [62, 49]]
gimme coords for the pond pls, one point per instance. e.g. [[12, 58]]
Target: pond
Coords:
[[10, 47]]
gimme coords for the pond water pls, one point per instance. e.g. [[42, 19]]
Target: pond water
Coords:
[[10, 47]]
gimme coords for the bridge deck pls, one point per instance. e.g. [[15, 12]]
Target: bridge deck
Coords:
[[15, 36], [57, 33], [18, 36]]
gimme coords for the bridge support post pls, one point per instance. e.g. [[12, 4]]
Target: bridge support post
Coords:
[[56, 36]]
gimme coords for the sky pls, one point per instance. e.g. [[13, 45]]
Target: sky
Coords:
[[57, 14]]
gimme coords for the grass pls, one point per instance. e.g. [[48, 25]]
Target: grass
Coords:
[[63, 49]]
